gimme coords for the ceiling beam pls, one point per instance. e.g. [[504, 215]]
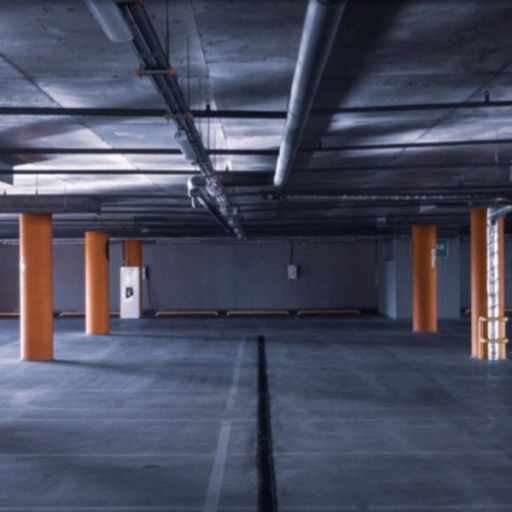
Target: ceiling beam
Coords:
[[249, 152], [246, 114], [310, 172], [48, 204]]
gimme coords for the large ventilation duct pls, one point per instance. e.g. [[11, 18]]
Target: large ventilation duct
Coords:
[[320, 27]]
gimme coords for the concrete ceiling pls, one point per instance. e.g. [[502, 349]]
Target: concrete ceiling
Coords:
[[241, 55]]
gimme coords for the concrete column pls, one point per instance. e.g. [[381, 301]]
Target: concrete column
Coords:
[[97, 299], [36, 287], [424, 243], [132, 257]]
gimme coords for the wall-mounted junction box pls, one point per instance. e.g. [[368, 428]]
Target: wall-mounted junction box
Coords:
[[293, 271]]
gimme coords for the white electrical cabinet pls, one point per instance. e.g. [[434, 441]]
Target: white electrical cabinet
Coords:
[[130, 292]]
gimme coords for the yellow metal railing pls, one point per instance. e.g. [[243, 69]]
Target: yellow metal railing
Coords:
[[483, 337]]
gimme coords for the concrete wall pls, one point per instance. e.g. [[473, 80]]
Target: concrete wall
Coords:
[[448, 282], [395, 280], [219, 276], [9, 278], [68, 277], [229, 276], [250, 276], [465, 274]]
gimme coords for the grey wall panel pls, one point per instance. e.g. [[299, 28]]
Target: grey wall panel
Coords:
[[465, 274], [68, 277], [116, 260], [395, 282], [448, 282], [9, 278], [386, 279], [249, 276], [220, 276], [388, 288], [403, 261]]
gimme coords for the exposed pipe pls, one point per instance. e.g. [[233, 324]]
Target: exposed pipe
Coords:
[[197, 191], [320, 27], [496, 213], [154, 59], [383, 197]]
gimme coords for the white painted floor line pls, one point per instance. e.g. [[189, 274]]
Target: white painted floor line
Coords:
[[237, 372], [211, 503], [8, 345]]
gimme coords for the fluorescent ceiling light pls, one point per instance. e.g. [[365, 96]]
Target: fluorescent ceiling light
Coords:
[[111, 21]]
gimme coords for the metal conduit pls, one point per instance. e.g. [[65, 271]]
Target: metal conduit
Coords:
[[320, 26], [384, 197], [155, 62]]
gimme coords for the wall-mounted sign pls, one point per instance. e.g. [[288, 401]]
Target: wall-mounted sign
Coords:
[[442, 248]]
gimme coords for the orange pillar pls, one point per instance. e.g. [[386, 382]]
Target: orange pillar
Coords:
[[97, 300], [478, 275], [132, 257], [36, 287], [424, 242]]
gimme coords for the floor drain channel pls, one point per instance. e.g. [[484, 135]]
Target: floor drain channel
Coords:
[[267, 496]]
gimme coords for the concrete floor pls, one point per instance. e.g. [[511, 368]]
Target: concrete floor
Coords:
[[161, 415]]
